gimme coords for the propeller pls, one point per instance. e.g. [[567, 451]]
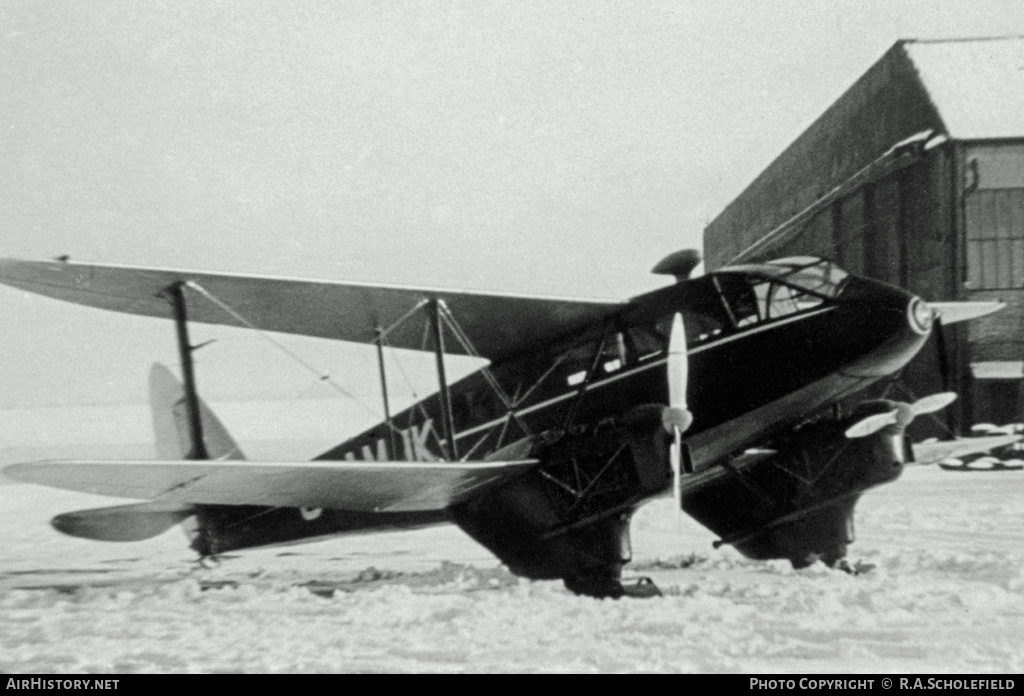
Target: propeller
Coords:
[[677, 417], [901, 415]]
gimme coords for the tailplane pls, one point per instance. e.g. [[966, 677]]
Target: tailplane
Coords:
[[123, 522], [170, 427]]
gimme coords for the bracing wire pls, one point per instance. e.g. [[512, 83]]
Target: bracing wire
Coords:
[[468, 346], [486, 371], [320, 375], [398, 363]]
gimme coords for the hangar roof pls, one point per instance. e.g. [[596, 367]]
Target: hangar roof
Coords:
[[967, 89], [976, 85]]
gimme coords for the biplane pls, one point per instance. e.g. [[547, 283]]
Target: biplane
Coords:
[[720, 390]]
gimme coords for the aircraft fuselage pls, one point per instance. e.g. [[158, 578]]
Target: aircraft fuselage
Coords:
[[749, 376]]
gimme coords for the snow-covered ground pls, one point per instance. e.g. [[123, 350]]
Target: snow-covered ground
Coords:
[[946, 595]]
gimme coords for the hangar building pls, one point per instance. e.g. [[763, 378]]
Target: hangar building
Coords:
[[915, 176]]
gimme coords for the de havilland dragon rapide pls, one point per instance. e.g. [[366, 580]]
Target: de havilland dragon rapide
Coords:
[[734, 392]]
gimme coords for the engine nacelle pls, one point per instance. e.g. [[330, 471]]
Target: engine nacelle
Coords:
[[797, 501], [570, 517]]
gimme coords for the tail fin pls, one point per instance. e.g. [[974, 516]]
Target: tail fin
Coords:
[[170, 422], [173, 441]]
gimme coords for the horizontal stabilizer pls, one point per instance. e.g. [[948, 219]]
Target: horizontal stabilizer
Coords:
[[497, 325], [354, 486], [123, 522], [952, 312], [932, 452]]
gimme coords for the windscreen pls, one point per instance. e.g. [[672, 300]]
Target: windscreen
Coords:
[[758, 293]]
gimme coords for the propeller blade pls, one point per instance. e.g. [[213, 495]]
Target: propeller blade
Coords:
[[933, 403], [677, 418], [677, 415], [872, 424], [901, 415], [678, 370]]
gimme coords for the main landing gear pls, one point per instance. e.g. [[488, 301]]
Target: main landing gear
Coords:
[[642, 589], [835, 559], [607, 587], [856, 568]]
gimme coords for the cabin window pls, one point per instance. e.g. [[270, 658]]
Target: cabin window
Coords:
[[645, 342], [649, 342], [741, 299], [578, 360], [699, 327]]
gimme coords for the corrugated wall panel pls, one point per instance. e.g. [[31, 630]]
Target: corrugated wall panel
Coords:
[[850, 240], [1017, 257], [926, 228], [883, 260], [995, 228]]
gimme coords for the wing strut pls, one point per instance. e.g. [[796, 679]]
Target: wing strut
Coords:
[[176, 297], [392, 449], [446, 399]]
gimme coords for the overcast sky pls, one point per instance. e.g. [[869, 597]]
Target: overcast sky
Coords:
[[542, 147]]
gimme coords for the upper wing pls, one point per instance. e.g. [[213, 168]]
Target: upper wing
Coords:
[[355, 486], [497, 325]]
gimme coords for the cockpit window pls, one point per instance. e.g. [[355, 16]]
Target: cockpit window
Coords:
[[812, 274], [776, 300], [756, 293], [729, 300]]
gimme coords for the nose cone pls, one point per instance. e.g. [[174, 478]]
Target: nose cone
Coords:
[[904, 337], [920, 316]]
